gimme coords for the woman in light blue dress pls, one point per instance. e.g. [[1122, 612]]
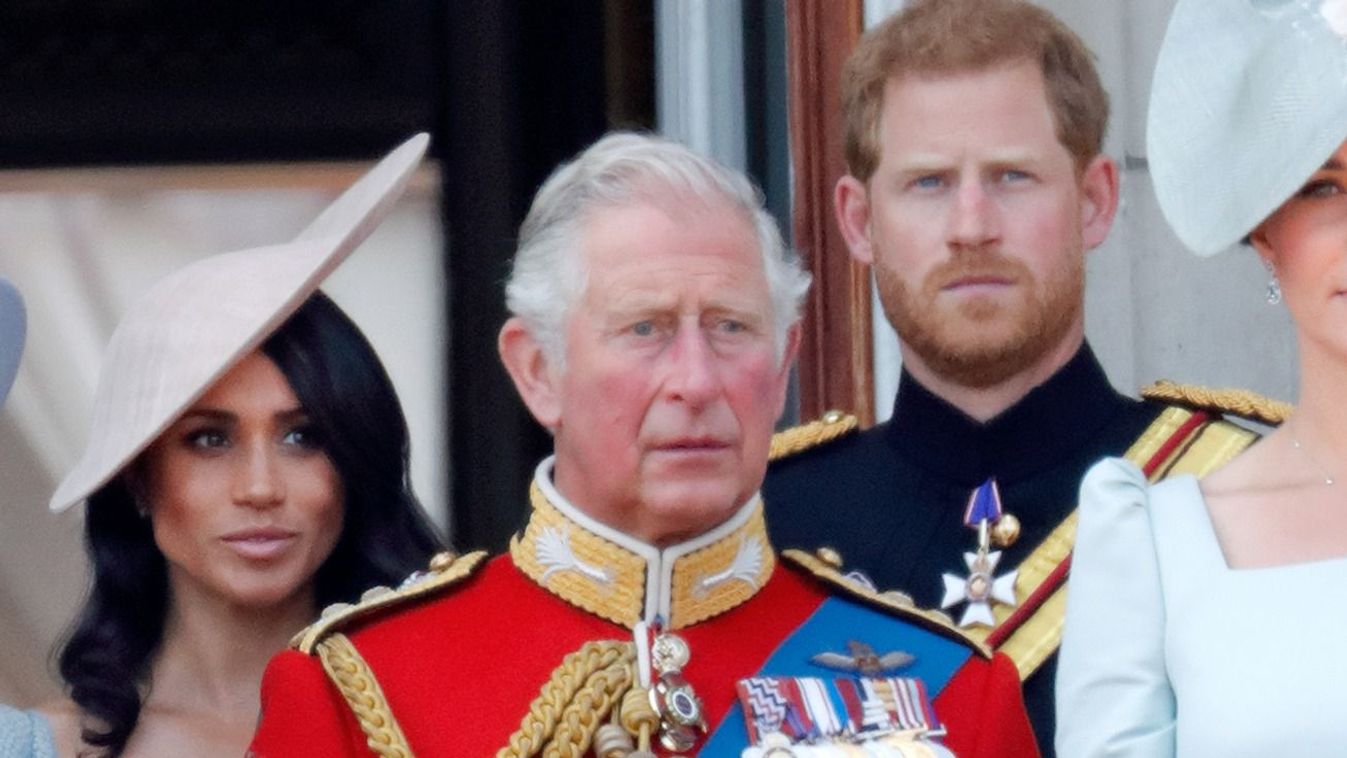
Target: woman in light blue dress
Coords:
[[1206, 620]]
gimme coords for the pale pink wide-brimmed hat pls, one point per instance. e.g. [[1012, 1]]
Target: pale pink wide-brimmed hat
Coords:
[[12, 329], [195, 324]]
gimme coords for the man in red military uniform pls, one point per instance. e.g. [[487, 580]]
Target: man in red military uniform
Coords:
[[643, 611]]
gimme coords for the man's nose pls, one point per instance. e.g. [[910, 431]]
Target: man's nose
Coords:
[[257, 481], [692, 376], [973, 221]]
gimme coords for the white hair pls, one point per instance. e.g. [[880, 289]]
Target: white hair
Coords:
[[549, 276]]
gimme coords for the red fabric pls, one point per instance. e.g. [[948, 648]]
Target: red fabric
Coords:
[[983, 711], [460, 671], [308, 713]]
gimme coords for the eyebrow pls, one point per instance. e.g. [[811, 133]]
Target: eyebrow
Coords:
[[223, 416], [924, 162], [1332, 164], [932, 162]]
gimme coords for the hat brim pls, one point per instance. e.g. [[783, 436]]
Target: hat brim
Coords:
[[197, 323], [1248, 101]]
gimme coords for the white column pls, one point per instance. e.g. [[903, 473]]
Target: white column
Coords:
[[699, 76]]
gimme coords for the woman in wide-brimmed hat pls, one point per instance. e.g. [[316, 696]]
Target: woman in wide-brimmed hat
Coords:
[[1205, 620], [247, 465]]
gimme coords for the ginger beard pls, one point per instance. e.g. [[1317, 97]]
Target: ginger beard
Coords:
[[980, 341]]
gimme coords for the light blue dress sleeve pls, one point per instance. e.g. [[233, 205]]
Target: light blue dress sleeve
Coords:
[[1113, 694], [25, 734]]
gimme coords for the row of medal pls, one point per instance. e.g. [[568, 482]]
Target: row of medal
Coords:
[[810, 717]]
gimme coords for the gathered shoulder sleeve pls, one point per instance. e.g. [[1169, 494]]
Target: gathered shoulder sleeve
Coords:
[[25, 734], [1113, 695]]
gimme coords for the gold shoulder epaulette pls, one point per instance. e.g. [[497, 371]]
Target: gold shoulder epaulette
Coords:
[[830, 426], [826, 567], [445, 570], [1235, 402]]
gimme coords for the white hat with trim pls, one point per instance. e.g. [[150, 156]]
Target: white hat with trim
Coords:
[[195, 324], [1249, 100]]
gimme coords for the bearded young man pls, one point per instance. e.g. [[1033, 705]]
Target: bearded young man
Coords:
[[976, 184]]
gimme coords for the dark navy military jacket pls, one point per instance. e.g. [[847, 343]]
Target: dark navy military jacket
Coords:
[[891, 499]]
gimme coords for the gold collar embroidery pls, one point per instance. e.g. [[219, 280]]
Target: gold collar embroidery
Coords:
[[626, 581]]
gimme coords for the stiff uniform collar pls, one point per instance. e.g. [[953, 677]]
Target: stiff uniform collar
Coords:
[[1047, 425], [619, 578]]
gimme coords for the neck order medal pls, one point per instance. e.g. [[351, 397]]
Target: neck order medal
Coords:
[[981, 588]]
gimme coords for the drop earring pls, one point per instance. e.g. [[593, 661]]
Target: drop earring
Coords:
[[1274, 287]]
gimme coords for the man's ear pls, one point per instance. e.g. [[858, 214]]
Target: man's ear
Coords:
[[1098, 200], [528, 367], [851, 203]]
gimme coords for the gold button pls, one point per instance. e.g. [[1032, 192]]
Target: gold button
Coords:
[[334, 609], [829, 556], [374, 593], [1005, 531], [442, 561]]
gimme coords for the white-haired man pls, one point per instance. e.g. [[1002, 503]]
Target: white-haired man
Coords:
[[642, 609]]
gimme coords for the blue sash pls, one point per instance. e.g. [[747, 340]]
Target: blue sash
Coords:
[[829, 628]]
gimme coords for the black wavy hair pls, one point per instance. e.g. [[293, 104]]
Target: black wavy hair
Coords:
[[342, 386]]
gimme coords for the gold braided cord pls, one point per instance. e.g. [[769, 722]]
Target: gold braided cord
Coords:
[[1237, 402], [790, 441], [354, 679], [589, 710], [584, 676]]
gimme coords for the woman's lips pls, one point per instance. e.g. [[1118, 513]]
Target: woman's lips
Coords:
[[260, 544]]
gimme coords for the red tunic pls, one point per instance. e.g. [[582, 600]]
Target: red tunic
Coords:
[[459, 670]]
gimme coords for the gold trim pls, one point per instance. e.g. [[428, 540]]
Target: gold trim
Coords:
[[357, 684], [1039, 636], [895, 604], [604, 578], [445, 571], [832, 425], [1205, 449], [1233, 402], [1211, 447], [692, 603], [574, 702], [618, 596], [1160, 431]]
